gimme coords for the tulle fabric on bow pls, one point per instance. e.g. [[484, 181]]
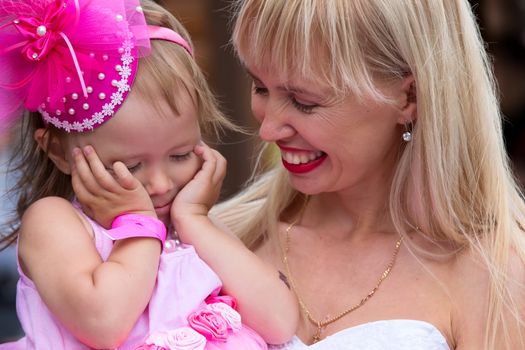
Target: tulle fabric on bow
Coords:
[[55, 50]]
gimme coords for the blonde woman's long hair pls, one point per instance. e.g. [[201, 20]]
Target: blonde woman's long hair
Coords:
[[453, 180]]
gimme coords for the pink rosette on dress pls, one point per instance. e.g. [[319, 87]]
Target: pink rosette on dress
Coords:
[[214, 326], [186, 338], [232, 317], [183, 338], [74, 61], [210, 324]]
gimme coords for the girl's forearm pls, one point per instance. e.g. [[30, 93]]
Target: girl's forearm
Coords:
[[264, 301]]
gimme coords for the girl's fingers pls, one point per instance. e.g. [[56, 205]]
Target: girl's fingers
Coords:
[[101, 175], [210, 162], [220, 170], [124, 177], [80, 190], [214, 165], [84, 179]]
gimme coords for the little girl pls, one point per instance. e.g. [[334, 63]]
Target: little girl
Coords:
[[92, 75]]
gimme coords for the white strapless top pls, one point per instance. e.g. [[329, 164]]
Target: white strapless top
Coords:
[[378, 335]]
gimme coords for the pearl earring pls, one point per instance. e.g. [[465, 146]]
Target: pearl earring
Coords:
[[407, 135]]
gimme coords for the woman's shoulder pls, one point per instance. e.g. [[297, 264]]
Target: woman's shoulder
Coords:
[[473, 271], [469, 283], [473, 279]]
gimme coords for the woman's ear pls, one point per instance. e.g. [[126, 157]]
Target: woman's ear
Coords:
[[54, 148], [408, 101]]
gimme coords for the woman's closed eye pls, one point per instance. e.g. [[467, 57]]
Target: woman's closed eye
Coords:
[[258, 90], [301, 106]]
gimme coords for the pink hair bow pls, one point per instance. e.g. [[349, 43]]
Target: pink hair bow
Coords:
[[74, 61]]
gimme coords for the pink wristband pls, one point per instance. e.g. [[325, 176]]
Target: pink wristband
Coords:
[[136, 225]]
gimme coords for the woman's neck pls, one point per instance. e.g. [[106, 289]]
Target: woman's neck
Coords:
[[348, 215]]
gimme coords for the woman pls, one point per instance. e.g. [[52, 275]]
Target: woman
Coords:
[[392, 214]]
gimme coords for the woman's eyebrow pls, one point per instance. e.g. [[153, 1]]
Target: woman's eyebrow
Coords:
[[286, 88], [253, 76]]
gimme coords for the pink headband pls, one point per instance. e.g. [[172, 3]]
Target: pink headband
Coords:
[[163, 33], [74, 61]]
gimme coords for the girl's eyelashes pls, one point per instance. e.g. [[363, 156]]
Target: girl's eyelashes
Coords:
[[133, 168], [181, 157]]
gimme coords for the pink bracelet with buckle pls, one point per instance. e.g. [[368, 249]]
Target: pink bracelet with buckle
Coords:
[[137, 225]]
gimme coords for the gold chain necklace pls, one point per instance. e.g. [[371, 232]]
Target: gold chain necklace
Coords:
[[321, 325]]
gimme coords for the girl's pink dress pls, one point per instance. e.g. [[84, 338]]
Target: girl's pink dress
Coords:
[[184, 282]]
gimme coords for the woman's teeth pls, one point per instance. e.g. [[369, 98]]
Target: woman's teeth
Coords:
[[302, 158]]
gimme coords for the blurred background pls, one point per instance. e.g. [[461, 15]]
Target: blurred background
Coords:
[[503, 26]]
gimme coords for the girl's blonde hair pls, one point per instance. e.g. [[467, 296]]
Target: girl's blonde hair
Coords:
[[453, 180], [164, 74]]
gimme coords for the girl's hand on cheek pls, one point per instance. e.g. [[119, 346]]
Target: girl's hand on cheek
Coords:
[[104, 196], [201, 193]]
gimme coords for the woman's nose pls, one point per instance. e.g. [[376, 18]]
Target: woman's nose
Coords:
[[274, 123]]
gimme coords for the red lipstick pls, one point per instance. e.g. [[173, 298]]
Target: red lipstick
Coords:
[[303, 167]]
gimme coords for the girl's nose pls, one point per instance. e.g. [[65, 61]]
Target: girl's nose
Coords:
[[159, 182]]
